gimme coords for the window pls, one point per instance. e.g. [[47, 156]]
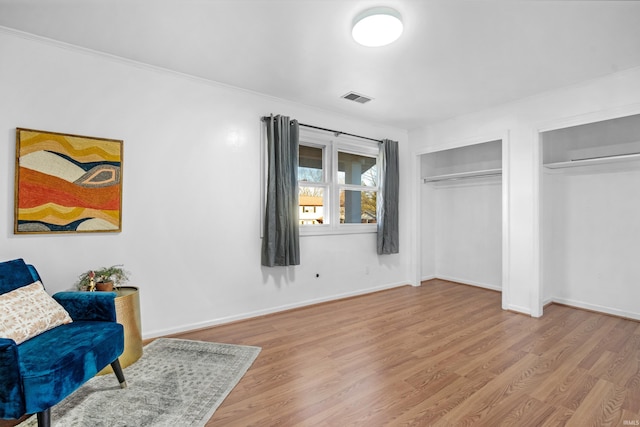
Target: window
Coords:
[[338, 184], [358, 187], [312, 184]]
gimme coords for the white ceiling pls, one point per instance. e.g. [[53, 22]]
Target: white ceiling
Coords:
[[454, 57]]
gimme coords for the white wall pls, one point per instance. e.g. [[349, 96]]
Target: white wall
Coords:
[[468, 235], [191, 197], [522, 120], [591, 238], [427, 226]]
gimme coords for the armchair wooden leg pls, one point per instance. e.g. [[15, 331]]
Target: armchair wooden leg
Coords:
[[44, 418], [117, 369]]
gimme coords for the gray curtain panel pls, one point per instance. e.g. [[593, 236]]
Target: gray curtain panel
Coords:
[[388, 230], [281, 239]]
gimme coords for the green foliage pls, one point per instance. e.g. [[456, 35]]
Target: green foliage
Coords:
[[116, 274]]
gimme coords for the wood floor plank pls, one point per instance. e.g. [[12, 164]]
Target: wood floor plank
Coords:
[[602, 406], [568, 384], [520, 410], [479, 407], [437, 403], [558, 418], [632, 402]]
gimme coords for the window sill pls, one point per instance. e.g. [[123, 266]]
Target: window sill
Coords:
[[327, 230]]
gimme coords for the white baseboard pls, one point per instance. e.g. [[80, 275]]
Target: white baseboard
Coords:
[[469, 282], [519, 309], [258, 313], [425, 278], [598, 308]]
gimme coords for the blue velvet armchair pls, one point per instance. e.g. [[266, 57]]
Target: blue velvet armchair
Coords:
[[40, 372]]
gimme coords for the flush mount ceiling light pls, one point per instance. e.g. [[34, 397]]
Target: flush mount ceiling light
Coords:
[[378, 26]]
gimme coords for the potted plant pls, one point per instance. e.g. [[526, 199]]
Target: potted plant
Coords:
[[103, 279]]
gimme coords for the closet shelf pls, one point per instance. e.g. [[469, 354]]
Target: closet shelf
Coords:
[[463, 175], [594, 161]]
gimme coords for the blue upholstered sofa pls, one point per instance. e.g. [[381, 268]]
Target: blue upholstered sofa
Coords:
[[41, 371]]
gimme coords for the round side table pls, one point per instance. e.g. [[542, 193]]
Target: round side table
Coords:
[[128, 315]]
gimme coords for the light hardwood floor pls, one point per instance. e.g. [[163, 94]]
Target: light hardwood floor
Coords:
[[441, 354]]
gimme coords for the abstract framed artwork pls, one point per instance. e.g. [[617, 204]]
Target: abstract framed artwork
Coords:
[[67, 183]]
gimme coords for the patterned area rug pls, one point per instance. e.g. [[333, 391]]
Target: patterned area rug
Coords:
[[175, 383]]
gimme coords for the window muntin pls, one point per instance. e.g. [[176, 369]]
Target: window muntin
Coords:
[[313, 184]]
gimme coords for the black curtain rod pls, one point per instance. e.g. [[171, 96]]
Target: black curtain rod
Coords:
[[338, 133], [335, 132]]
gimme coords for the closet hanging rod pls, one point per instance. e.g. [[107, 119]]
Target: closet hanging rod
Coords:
[[605, 157], [456, 178], [335, 132]]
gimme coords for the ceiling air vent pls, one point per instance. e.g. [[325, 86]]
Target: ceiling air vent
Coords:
[[356, 97]]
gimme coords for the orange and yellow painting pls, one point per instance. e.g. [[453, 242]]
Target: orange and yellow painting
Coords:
[[67, 183]]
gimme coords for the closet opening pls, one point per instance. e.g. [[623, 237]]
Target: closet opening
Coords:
[[590, 216], [461, 215]]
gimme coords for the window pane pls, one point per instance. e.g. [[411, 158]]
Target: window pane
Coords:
[[358, 207], [356, 169], [310, 164], [311, 202]]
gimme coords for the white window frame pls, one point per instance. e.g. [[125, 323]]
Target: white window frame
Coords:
[[331, 145], [325, 185]]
